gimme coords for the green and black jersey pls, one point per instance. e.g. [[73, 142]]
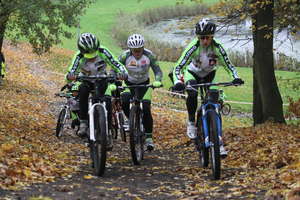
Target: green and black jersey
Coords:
[[203, 60]]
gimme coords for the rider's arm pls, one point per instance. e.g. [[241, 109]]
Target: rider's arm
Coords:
[[122, 58], [154, 65], [74, 67], [185, 59], [223, 60], [111, 60]]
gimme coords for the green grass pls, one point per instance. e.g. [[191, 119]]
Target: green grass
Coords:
[[100, 18], [243, 93]]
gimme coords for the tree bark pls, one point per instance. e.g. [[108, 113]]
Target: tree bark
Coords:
[[267, 101], [3, 22]]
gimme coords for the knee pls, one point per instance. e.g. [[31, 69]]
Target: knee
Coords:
[[192, 93]]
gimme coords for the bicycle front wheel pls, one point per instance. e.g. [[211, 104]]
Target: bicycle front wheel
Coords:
[[215, 146], [100, 145], [135, 136], [61, 122], [200, 145]]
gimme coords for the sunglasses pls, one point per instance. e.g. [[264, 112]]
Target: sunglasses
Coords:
[[139, 50], [205, 37]]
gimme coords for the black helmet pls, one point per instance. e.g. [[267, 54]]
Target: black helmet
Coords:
[[205, 27], [87, 43]]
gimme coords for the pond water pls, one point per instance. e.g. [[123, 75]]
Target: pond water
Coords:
[[234, 38]]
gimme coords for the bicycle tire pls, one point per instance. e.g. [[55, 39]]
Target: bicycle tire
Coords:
[[214, 150], [135, 139], [121, 125], [225, 109], [61, 122], [200, 145], [100, 145]]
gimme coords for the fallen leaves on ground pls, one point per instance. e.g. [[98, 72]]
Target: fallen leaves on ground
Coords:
[[265, 158], [29, 150]]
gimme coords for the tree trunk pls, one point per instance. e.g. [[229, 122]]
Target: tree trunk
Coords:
[[267, 102], [3, 21]]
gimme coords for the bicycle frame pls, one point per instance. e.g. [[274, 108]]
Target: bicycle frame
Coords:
[[94, 100], [207, 105], [204, 109]]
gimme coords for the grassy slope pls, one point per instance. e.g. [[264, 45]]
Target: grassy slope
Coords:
[[100, 18], [101, 15], [243, 93]]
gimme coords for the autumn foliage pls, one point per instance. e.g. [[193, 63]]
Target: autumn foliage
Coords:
[[262, 158]]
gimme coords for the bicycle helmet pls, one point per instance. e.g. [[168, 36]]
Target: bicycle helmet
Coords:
[[88, 45], [205, 27], [135, 41]]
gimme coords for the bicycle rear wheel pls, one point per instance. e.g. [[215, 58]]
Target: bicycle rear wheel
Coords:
[[200, 145], [61, 122], [214, 149], [100, 145], [135, 136], [225, 109]]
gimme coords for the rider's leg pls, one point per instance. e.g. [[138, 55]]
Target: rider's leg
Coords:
[[147, 119], [191, 104], [148, 123], [84, 90], [108, 108], [125, 98]]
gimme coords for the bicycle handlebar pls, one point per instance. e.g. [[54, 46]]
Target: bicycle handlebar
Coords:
[[138, 86], [214, 84], [95, 77], [225, 84]]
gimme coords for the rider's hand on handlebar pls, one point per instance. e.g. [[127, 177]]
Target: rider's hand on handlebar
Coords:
[[238, 81], [157, 84], [179, 86], [71, 77]]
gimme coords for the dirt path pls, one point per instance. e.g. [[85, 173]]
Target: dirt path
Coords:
[[166, 173]]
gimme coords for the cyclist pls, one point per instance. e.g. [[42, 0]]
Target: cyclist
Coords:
[[2, 67], [198, 64], [138, 61], [92, 59]]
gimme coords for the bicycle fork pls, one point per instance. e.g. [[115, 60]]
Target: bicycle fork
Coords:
[[91, 119]]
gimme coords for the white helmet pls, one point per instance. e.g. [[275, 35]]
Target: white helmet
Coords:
[[135, 41]]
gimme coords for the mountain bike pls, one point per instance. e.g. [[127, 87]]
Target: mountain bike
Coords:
[[100, 138], [118, 115], [209, 126], [68, 113], [137, 135]]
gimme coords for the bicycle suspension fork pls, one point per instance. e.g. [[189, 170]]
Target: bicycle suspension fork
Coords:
[[205, 125]]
